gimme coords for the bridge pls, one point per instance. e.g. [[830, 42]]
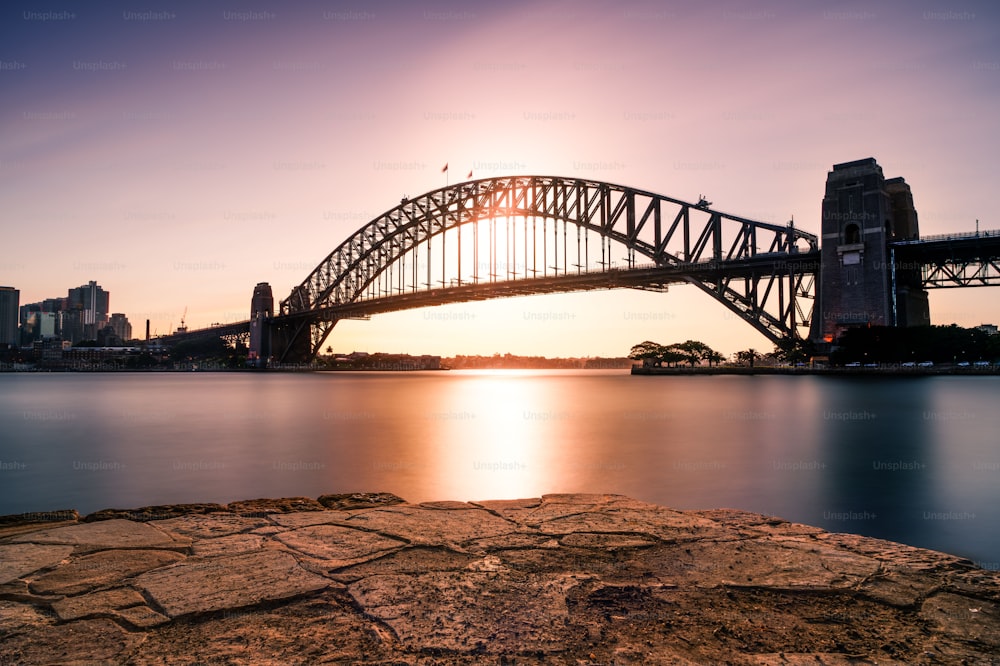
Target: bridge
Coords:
[[520, 235]]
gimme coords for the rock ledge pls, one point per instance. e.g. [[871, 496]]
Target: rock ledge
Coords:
[[561, 579]]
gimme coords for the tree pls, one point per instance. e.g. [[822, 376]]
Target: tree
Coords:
[[887, 344], [671, 354], [650, 353], [794, 350], [692, 350], [715, 356], [747, 356]]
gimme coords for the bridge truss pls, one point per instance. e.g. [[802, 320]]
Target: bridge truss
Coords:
[[954, 260], [541, 234]]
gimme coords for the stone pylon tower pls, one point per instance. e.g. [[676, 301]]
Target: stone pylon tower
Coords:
[[859, 286], [261, 309]]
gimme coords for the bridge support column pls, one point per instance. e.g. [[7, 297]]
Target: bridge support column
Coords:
[[859, 283], [291, 342], [261, 310]]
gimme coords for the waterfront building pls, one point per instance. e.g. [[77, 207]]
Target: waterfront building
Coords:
[[9, 300], [80, 315], [42, 325], [121, 326], [93, 304]]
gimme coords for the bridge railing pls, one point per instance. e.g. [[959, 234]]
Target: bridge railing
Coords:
[[990, 233]]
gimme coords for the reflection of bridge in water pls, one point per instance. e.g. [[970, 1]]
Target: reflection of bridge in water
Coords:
[[520, 235]]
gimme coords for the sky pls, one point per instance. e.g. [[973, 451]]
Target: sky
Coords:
[[179, 153]]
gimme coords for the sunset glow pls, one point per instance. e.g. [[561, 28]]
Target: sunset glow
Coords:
[[180, 155]]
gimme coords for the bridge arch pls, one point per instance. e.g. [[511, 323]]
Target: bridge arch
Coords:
[[759, 270]]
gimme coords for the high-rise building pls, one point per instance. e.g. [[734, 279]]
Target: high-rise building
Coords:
[[39, 325], [9, 315], [80, 315], [93, 303], [123, 329]]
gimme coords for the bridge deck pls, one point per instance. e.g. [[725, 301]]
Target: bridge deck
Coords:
[[641, 277], [957, 260]]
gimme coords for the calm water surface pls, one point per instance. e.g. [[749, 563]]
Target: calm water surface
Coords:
[[915, 460]]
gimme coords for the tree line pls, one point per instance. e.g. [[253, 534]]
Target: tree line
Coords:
[[693, 352], [690, 351], [863, 344], [938, 344]]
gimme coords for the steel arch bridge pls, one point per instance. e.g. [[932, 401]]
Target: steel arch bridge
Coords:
[[520, 235]]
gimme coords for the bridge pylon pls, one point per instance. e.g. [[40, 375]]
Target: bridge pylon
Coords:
[[261, 310], [860, 280]]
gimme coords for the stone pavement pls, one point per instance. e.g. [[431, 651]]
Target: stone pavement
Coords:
[[564, 579]]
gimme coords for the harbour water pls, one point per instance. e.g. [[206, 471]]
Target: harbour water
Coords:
[[912, 459]]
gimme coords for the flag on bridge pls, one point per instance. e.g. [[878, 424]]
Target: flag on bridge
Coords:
[[469, 177], [445, 169]]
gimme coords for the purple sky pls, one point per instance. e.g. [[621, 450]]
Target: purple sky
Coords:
[[180, 154]]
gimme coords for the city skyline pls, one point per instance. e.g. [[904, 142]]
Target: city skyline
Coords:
[[181, 156]]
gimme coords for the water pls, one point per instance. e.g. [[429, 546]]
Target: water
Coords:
[[909, 459]]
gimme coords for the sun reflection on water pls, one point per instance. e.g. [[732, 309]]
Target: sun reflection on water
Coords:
[[489, 446]]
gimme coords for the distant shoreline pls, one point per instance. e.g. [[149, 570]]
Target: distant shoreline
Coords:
[[883, 371]]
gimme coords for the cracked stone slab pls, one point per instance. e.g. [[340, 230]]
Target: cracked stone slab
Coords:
[[97, 641], [100, 569], [96, 603], [266, 506], [975, 582], [776, 565], [552, 506], [352, 501], [516, 541], [308, 631], [816, 659], [35, 518], [16, 617], [21, 559], [659, 522], [897, 589], [433, 526], [228, 545], [470, 612], [161, 512], [218, 583], [964, 617], [338, 546], [18, 591], [897, 554], [268, 530], [116, 533], [413, 560], [307, 518], [141, 617], [607, 541], [445, 504], [517, 510], [709, 564], [752, 589], [749, 523], [210, 526]]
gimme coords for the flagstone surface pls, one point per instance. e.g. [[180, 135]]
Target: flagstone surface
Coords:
[[560, 579]]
